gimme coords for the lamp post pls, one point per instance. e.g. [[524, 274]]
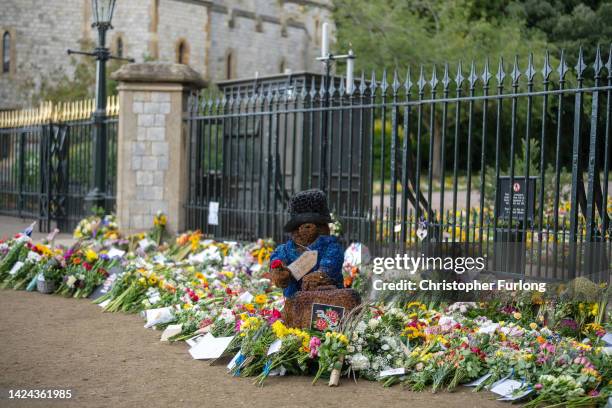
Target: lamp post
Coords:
[[327, 58], [102, 11]]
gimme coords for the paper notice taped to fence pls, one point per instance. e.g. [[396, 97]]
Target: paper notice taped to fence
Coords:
[[213, 213]]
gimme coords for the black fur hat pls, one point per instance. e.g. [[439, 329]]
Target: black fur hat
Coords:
[[308, 206]]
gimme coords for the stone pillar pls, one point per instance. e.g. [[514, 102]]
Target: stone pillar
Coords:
[[151, 144]]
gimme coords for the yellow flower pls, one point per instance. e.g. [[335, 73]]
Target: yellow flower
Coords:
[[517, 315], [187, 306], [153, 279], [261, 299], [142, 281], [279, 329], [91, 255], [533, 326]]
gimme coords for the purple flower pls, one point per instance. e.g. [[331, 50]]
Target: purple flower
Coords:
[[569, 323]]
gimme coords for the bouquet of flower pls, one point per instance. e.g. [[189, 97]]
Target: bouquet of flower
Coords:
[[330, 353], [292, 355], [97, 228]]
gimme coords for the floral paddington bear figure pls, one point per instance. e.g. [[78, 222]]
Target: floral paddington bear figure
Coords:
[[323, 282]]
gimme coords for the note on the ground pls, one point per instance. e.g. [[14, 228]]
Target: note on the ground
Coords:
[[170, 331], [158, 316], [506, 389], [392, 371], [210, 347]]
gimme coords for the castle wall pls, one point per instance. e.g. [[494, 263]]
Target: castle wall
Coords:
[[259, 34]]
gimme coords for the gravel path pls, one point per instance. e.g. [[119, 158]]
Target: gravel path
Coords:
[[110, 360]]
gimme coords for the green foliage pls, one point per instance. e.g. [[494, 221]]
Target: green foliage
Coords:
[[399, 33]]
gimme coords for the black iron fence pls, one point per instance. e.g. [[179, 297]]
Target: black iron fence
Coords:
[[46, 163], [516, 155]]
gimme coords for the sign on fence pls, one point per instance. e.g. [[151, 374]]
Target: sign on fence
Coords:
[[523, 197]]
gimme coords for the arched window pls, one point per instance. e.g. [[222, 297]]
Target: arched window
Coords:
[[229, 61], [119, 47], [317, 33], [182, 52], [6, 52]]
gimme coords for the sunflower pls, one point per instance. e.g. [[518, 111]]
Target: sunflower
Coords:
[[261, 299], [153, 280]]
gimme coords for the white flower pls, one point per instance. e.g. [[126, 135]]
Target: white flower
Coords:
[[361, 327], [70, 281], [350, 349], [373, 323], [385, 347], [359, 362], [227, 316]]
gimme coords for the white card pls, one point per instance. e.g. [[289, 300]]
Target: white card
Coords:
[[18, 265], [210, 347], [196, 339], [303, 264], [607, 350], [170, 331], [478, 381], [115, 253], [213, 213], [392, 371], [607, 338], [275, 346], [506, 388], [246, 297]]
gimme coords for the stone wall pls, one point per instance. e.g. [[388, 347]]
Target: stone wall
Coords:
[[151, 147], [149, 156], [259, 33]]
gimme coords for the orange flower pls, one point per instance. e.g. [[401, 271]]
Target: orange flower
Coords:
[[354, 271], [348, 281], [541, 340], [76, 261]]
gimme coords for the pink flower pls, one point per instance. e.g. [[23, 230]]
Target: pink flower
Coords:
[[538, 386], [593, 393], [315, 342]]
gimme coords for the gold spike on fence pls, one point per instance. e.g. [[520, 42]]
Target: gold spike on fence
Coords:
[[56, 112]]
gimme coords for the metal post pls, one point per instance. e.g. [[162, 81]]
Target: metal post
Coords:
[[325, 140], [96, 197]]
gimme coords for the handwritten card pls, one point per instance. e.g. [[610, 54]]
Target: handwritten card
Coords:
[[303, 264]]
